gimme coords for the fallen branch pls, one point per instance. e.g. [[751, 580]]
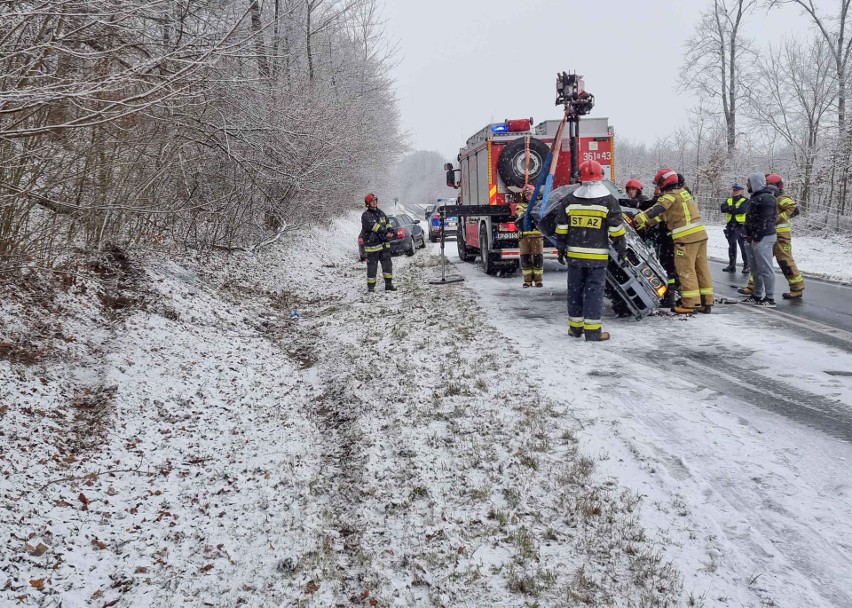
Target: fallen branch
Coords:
[[253, 248]]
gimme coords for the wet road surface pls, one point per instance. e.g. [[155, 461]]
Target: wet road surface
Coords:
[[823, 302]]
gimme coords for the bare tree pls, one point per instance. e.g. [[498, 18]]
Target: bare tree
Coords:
[[799, 92], [835, 31], [716, 58], [182, 121]]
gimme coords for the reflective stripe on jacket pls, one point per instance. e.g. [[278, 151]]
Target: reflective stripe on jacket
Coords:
[[786, 210], [374, 225], [679, 211], [584, 227], [520, 212]]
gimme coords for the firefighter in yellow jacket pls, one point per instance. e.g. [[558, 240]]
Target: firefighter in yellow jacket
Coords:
[[531, 243], [676, 207], [783, 250]]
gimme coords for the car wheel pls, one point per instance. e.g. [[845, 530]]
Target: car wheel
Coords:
[[410, 251]]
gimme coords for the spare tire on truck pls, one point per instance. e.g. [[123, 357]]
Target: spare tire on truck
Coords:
[[511, 164]]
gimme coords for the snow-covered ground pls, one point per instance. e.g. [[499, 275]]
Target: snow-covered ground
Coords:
[[264, 433], [259, 431], [827, 257]]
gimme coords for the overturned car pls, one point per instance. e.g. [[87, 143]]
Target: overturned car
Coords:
[[636, 286]]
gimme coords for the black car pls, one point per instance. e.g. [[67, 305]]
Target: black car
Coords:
[[408, 236], [430, 209]]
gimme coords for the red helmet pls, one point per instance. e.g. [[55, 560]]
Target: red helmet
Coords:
[[591, 171], [633, 183], [665, 177], [775, 180], [370, 198]]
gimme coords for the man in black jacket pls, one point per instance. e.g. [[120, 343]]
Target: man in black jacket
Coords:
[[760, 238], [586, 220], [374, 232], [735, 213]]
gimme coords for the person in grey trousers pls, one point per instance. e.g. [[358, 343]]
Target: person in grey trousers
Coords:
[[760, 238]]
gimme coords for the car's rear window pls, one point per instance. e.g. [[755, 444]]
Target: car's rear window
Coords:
[[393, 221]]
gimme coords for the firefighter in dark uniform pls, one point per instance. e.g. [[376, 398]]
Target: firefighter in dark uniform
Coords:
[[531, 243], [586, 220], [633, 187], [735, 213], [374, 231]]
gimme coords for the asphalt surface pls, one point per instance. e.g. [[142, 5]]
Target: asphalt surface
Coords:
[[825, 303]]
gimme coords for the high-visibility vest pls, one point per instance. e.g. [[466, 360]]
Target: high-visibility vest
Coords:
[[740, 217]]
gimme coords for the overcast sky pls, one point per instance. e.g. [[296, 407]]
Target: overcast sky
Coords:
[[465, 63]]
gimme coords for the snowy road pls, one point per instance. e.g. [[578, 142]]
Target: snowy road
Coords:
[[744, 417], [825, 302]]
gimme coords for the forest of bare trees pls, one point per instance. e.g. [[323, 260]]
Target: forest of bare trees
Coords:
[[780, 106], [196, 123]]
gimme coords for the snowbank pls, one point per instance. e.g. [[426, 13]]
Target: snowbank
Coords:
[[827, 258]]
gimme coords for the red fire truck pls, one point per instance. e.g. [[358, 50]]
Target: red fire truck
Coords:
[[493, 167]]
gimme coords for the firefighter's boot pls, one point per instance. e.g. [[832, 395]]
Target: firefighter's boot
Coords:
[[597, 336], [539, 284], [371, 287], [682, 309], [527, 284], [575, 332], [745, 291], [793, 294], [706, 309], [389, 285]]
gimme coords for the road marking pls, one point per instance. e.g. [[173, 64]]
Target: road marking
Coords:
[[817, 326]]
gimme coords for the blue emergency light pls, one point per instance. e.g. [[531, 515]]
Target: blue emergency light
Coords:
[[501, 128]]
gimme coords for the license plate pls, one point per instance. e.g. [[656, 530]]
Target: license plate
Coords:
[[451, 224]]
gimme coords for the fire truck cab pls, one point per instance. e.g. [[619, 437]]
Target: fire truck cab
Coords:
[[495, 164]]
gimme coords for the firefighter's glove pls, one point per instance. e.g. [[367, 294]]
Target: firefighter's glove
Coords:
[[561, 258], [622, 255], [640, 220]]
